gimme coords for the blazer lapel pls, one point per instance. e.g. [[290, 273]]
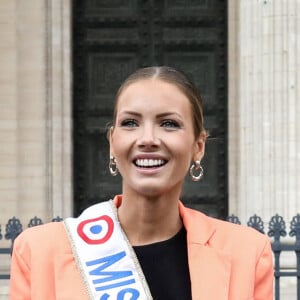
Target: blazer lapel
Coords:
[[209, 267], [209, 272]]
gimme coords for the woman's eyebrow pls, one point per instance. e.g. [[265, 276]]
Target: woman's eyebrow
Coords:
[[129, 112], [160, 115], [169, 114]]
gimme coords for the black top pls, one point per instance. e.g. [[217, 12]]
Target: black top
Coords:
[[165, 266]]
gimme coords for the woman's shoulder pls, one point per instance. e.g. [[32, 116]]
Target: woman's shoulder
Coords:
[[46, 236], [240, 239], [237, 230], [224, 233], [50, 230]]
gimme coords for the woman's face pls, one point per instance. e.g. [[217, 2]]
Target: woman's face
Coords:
[[153, 138]]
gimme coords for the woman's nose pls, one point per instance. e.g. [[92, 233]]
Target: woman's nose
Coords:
[[148, 136]]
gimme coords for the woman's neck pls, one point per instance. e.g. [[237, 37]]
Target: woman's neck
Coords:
[[149, 220]]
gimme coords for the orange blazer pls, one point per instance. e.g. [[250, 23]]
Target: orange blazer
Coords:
[[226, 261]]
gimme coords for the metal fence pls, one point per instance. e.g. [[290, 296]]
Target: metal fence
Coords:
[[276, 230], [12, 229]]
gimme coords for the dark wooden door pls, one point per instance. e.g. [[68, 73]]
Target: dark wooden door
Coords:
[[113, 38]]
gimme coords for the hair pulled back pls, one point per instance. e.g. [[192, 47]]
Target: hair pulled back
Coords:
[[178, 79]]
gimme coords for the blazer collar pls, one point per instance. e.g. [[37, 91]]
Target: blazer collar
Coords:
[[209, 265], [199, 229]]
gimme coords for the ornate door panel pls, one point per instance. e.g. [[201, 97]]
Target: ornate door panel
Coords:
[[113, 38]]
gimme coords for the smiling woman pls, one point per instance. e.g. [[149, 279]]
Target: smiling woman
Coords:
[[145, 244], [154, 123]]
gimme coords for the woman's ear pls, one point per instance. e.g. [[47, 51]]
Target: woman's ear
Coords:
[[200, 147]]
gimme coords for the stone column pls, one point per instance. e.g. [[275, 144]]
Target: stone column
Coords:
[[264, 109], [59, 107], [23, 101], [35, 126], [8, 125]]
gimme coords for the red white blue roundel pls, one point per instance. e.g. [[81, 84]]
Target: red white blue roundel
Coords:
[[96, 231]]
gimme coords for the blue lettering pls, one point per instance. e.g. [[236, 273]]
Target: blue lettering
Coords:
[[121, 295], [134, 294], [112, 275], [104, 276], [107, 261], [114, 285]]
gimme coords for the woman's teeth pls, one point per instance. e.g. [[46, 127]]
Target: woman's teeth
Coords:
[[148, 163]]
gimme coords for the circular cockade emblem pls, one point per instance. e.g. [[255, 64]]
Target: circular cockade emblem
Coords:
[[97, 230]]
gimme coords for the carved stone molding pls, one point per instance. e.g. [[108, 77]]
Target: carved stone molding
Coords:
[[59, 111]]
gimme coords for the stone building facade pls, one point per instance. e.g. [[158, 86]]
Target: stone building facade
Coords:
[[36, 106]]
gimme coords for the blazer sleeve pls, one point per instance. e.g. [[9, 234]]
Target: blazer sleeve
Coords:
[[19, 273], [264, 275]]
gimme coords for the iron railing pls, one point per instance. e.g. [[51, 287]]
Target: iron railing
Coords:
[[12, 229], [277, 231]]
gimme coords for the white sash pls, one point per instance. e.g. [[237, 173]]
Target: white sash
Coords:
[[106, 260]]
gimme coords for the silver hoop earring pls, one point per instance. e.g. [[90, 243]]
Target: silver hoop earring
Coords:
[[113, 169], [195, 167]]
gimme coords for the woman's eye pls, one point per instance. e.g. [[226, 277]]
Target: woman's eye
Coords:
[[129, 123], [170, 124]]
